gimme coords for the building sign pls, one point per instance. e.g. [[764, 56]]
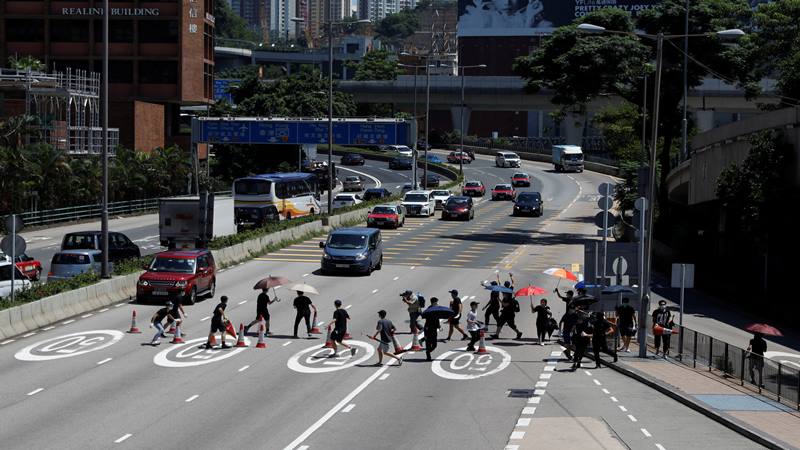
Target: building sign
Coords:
[[137, 12], [193, 12], [532, 17]]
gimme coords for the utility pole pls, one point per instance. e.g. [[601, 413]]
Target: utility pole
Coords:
[[104, 163]]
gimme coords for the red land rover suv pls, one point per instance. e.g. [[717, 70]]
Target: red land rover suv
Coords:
[[181, 274]]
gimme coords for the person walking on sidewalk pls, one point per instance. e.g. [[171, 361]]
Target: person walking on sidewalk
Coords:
[[543, 315], [414, 310], [567, 324], [456, 306], [583, 333], [155, 322], [262, 310], [431, 330], [385, 329], [492, 308], [510, 309], [755, 356], [473, 326], [339, 324], [218, 323], [626, 320], [663, 318], [303, 306], [602, 328]]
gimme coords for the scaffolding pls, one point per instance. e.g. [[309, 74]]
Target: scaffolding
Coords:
[[66, 106]]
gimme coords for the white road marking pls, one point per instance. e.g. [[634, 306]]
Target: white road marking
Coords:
[[243, 368], [633, 419], [302, 447], [305, 275], [345, 401], [374, 291], [523, 422], [192, 398], [145, 239], [552, 363], [623, 409], [205, 318], [645, 432], [412, 268], [34, 392], [99, 363], [480, 366], [86, 315], [534, 400], [320, 323], [119, 304], [120, 440], [243, 302], [545, 376], [541, 384], [384, 376], [69, 345], [555, 353], [605, 391], [374, 179], [587, 372], [103, 310], [614, 399], [538, 392], [29, 334], [597, 382], [349, 407], [8, 341], [517, 434], [529, 410], [660, 447], [348, 306], [549, 368], [395, 278], [511, 447]]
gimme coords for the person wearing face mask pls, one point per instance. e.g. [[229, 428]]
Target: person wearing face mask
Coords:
[[663, 318]]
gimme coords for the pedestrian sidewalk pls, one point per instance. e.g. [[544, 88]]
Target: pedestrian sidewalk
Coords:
[[765, 421]]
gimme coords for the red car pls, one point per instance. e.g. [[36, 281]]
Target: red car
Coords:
[[180, 275], [29, 267], [455, 157], [473, 188], [521, 179], [386, 215], [504, 192]]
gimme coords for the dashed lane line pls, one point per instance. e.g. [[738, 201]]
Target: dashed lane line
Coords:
[[34, 392], [348, 408], [286, 343], [633, 419], [645, 432], [29, 334], [100, 363], [192, 398], [622, 408], [614, 399], [7, 341], [384, 376], [123, 438], [660, 447], [243, 368]]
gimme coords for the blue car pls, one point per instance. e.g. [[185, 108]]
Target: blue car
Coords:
[[357, 250], [434, 159]]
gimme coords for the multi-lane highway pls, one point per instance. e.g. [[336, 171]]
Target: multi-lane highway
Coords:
[[84, 383]]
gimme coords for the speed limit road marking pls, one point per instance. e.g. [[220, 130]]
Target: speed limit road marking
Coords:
[[318, 359], [189, 354], [70, 345], [461, 365]]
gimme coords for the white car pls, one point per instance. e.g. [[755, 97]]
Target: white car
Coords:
[[402, 150], [507, 159], [440, 197], [419, 203], [21, 282], [342, 200]]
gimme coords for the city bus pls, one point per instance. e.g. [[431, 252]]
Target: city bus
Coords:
[[274, 196]]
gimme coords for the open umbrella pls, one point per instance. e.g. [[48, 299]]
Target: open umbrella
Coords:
[[617, 289], [270, 282], [438, 312], [584, 300], [304, 288], [561, 273], [529, 291], [764, 329], [498, 288]]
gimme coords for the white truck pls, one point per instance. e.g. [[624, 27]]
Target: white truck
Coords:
[[568, 158], [186, 222]]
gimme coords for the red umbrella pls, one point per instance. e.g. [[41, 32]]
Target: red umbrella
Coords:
[[764, 329], [561, 273], [529, 291], [271, 282]]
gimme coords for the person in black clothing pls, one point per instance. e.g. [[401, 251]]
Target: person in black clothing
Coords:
[[757, 348], [565, 298], [303, 306], [457, 307], [493, 307], [262, 310], [339, 323], [626, 318], [218, 322], [507, 315], [583, 332], [602, 328], [567, 324], [177, 314], [431, 331], [543, 314], [155, 322], [662, 317]]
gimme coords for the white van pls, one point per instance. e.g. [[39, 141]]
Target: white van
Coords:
[[507, 159], [567, 157]]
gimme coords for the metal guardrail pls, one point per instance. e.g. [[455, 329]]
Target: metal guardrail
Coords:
[[774, 379], [70, 213], [594, 148]]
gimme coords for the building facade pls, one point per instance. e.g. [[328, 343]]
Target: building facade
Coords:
[[161, 57]]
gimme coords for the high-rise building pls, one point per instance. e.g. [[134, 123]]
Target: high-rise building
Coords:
[[280, 22], [406, 4], [317, 16], [249, 11], [376, 10]]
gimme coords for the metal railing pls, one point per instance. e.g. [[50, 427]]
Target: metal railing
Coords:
[[594, 148], [765, 376], [73, 213]]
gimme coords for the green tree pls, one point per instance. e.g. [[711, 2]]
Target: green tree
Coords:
[[227, 24], [376, 65], [775, 46], [396, 27], [25, 62]]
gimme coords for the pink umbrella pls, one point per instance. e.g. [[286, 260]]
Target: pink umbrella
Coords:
[[764, 329]]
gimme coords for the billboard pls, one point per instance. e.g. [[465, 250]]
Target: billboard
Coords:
[[531, 17]]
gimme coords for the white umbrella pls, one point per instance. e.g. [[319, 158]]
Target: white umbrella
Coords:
[[304, 288]]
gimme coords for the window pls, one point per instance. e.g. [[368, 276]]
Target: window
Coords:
[[69, 31], [158, 72], [24, 30], [158, 31], [252, 187], [79, 241], [70, 258], [281, 190], [119, 71], [202, 262], [119, 31]]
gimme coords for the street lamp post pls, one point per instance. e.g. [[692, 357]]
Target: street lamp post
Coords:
[[427, 120], [684, 122], [645, 277], [461, 130], [104, 163], [416, 135]]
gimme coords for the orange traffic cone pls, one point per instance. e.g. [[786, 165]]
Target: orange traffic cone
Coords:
[[658, 330], [240, 340], [262, 327], [415, 347], [397, 347], [177, 338], [134, 329], [481, 344], [171, 329], [213, 341], [328, 340], [230, 329], [315, 328], [347, 335]]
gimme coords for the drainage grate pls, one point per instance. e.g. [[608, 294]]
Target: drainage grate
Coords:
[[520, 393]]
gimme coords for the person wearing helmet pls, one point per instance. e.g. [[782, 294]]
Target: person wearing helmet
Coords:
[[155, 322]]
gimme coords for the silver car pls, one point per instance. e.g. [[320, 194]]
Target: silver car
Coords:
[[70, 263], [353, 183]]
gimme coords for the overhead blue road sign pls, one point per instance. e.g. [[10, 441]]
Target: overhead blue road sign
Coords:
[[221, 89], [240, 130]]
